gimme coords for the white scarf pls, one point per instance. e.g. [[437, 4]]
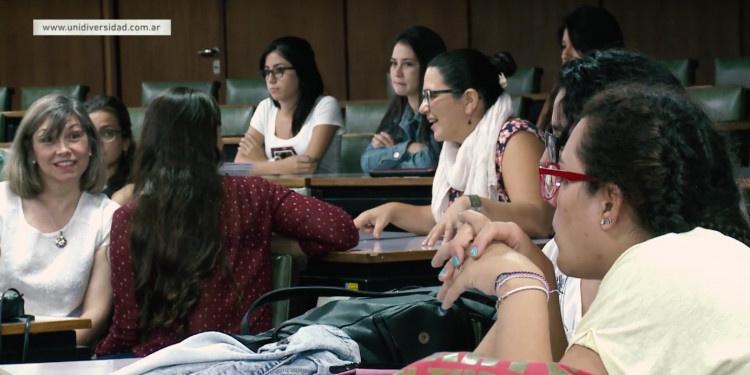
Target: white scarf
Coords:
[[470, 167]]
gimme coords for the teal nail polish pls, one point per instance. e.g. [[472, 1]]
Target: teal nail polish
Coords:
[[455, 261], [474, 251], [442, 273]]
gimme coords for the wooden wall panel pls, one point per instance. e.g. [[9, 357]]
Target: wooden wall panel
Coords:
[[672, 29], [372, 25], [28, 60], [252, 25], [195, 26], [525, 28]]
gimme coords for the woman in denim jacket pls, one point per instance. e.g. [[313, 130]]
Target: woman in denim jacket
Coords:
[[404, 138]]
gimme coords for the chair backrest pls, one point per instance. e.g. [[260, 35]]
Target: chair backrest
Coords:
[[683, 69], [364, 116], [235, 121], [732, 71], [524, 81], [521, 107], [282, 278], [5, 93], [30, 94], [246, 91], [151, 89], [352, 147], [723, 103], [136, 121], [4, 154]]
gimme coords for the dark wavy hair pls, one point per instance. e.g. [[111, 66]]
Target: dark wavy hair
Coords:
[[115, 107], [667, 157], [175, 236], [426, 44], [300, 54], [591, 28], [467, 68], [583, 78]]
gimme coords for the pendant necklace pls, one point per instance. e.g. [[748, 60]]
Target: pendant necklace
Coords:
[[60, 240]]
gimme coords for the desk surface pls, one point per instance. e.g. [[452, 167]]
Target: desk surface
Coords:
[[46, 324], [95, 367], [326, 180], [391, 247]]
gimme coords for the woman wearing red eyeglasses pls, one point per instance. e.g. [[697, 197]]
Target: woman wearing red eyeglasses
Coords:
[[646, 201]]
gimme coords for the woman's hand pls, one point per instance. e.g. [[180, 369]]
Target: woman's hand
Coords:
[[415, 147], [448, 223], [375, 220], [382, 139], [304, 164], [251, 148]]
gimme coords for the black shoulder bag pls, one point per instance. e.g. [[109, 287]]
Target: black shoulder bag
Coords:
[[393, 328]]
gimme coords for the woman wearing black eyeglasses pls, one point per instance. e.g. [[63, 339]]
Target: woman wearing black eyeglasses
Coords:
[[488, 161], [294, 130]]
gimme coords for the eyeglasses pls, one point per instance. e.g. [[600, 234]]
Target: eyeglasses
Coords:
[[551, 177], [550, 141], [277, 71], [429, 94], [109, 134]]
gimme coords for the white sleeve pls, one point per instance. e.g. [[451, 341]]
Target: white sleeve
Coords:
[[327, 112], [108, 212], [259, 121]]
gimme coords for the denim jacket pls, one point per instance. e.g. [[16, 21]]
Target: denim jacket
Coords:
[[396, 156]]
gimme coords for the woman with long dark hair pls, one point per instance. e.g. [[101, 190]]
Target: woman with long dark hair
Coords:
[[191, 252], [404, 138], [294, 130], [112, 121]]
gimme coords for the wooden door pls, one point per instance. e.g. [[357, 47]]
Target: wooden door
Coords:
[[196, 25]]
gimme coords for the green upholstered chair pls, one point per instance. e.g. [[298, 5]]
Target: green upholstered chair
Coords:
[[136, 120], [4, 153], [282, 278], [722, 103], [521, 107], [364, 116], [683, 69], [524, 81], [151, 89], [352, 147], [732, 71], [246, 91], [30, 94], [5, 94], [235, 120]]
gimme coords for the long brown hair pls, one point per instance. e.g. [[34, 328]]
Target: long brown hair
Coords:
[[175, 234]]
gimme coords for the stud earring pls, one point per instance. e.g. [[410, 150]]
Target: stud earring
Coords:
[[606, 221], [33, 162], [89, 153]]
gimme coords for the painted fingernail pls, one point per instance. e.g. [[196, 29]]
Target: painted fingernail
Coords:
[[455, 261], [442, 273], [474, 251]]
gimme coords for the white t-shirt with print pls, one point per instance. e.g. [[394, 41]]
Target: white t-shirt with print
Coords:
[[325, 112]]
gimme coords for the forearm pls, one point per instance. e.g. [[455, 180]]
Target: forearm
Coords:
[[283, 166], [99, 324], [534, 218], [414, 219], [523, 323]]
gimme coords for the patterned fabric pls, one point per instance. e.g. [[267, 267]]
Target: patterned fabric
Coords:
[[252, 209], [511, 127], [476, 364]]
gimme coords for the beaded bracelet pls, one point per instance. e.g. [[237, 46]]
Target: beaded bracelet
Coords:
[[505, 276], [521, 289]]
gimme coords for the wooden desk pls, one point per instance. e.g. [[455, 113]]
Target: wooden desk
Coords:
[[46, 324], [94, 367], [360, 180]]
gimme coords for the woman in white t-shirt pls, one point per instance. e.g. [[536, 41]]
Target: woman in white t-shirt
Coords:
[[647, 202], [295, 131], [54, 221]]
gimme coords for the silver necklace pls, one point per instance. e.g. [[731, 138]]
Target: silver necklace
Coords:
[[60, 240]]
